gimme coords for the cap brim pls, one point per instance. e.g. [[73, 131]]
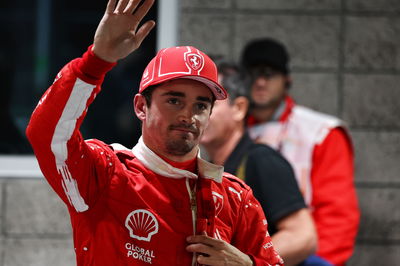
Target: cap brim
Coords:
[[218, 91]]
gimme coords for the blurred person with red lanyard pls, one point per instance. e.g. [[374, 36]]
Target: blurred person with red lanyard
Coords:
[[317, 145]]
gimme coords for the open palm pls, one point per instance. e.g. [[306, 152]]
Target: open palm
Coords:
[[117, 34]]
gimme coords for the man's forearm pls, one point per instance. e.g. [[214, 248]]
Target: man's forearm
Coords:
[[296, 238]]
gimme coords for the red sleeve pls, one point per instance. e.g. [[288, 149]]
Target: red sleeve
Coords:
[[75, 169], [252, 235], [335, 207]]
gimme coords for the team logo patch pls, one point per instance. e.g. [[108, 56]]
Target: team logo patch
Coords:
[[194, 61], [218, 201], [142, 225]]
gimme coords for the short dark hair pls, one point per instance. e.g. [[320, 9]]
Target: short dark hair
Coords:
[[147, 93]]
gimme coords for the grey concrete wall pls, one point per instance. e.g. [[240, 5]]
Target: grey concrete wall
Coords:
[[346, 62], [34, 223], [345, 55]]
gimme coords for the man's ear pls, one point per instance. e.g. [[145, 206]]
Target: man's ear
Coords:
[[140, 106], [241, 106]]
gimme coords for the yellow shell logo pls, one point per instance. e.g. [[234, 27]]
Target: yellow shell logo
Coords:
[[142, 225]]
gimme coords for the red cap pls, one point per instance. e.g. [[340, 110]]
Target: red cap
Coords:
[[182, 62]]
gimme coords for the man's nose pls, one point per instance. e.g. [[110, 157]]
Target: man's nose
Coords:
[[186, 115], [261, 82]]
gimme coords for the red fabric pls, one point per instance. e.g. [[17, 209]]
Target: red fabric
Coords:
[[335, 208], [113, 185], [190, 165], [288, 109], [92, 69], [251, 120]]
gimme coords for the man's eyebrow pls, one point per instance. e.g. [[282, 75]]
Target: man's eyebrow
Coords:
[[204, 99], [181, 94], [173, 93]]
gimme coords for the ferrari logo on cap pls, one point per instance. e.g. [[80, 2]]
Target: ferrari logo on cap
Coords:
[[194, 61]]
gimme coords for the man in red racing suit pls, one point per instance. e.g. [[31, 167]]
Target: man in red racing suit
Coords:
[[158, 203]]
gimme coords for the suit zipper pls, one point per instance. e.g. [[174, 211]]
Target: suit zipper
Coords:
[[193, 207]]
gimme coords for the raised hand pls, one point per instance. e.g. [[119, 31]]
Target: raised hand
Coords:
[[216, 252], [117, 35]]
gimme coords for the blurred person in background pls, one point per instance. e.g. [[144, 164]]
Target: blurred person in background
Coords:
[[317, 145], [266, 171]]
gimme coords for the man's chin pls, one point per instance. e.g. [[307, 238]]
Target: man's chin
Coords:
[[181, 146], [263, 105]]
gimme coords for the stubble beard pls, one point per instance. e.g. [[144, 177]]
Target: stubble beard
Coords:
[[180, 147]]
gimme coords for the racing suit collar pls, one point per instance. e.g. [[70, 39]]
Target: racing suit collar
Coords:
[[156, 164]]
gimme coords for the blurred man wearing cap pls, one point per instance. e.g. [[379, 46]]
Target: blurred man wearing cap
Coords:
[[157, 203], [317, 145], [265, 170]]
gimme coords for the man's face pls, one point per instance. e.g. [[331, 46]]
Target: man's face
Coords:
[[268, 91], [221, 124], [178, 114]]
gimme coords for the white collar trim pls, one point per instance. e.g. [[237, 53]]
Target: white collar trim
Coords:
[[152, 161]]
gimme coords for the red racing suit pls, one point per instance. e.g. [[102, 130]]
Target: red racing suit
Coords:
[[130, 207], [320, 151]]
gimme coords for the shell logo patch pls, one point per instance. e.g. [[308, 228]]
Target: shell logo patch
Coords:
[[142, 224]]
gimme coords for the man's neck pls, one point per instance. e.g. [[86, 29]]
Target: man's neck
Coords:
[[269, 113], [219, 152], [263, 114]]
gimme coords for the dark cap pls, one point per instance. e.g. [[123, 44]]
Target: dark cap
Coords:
[[266, 52]]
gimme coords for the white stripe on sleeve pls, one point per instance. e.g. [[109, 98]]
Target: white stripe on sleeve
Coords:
[[65, 127]]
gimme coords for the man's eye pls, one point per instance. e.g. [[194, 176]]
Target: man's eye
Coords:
[[201, 106], [173, 101]]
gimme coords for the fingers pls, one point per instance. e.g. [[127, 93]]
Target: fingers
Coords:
[[204, 260], [143, 9], [121, 6], [200, 248], [144, 30], [131, 6], [210, 251], [110, 6], [206, 240]]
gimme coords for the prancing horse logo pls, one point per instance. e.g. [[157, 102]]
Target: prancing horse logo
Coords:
[[194, 61]]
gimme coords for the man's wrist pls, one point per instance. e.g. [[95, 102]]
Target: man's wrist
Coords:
[[93, 67], [102, 56]]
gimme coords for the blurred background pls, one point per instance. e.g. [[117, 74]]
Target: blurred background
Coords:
[[345, 61]]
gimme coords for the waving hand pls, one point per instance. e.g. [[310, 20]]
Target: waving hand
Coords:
[[117, 34]]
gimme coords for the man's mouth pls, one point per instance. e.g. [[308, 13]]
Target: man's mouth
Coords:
[[187, 129]]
